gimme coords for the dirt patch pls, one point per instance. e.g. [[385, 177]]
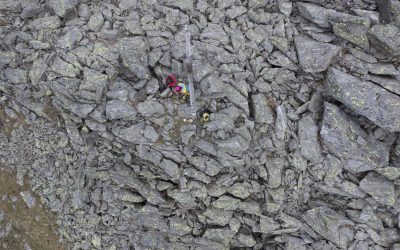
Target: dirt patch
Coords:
[[23, 226]]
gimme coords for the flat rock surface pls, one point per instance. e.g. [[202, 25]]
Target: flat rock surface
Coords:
[[366, 98], [314, 56]]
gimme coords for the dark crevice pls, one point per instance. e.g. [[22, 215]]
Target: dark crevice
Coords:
[[388, 90]]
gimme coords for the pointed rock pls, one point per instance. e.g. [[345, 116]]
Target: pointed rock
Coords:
[[314, 56]]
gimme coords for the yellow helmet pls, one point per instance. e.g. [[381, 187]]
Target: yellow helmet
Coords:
[[206, 116]]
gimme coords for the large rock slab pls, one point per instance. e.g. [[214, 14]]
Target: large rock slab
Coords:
[[181, 4], [325, 17], [133, 51], [263, 113], [117, 109], [63, 7], [353, 33], [309, 141], [386, 37], [344, 138], [390, 11], [314, 56], [46, 23], [136, 133], [330, 225], [380, 188], [366, 98]]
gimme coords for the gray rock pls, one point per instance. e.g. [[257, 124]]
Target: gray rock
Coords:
[[373, 16], [133, 51], [392, 173], [351, 188], [353, 33], [35, 44], [314, 56], [262, 85], [218, 217], [71, 37], [116, 109], [366, 98], [206, 147], [95, 83], [203, 69], [281, 43], [308, 137], [6, 57], [126, 177], [197, 175], [29, 199], [380, 188], [223, 4], [170, 168], [263, 113], [132, 134], [361, 67], [181, 4], [78, 199], [220, 235], [363, 56], [47, 23], [325, 17], [333, 168], [285, 7], [62, 7], [178, 226], [260, 16], [383, 69], [215, 32], [127, 4], [150, 133], [246, 240], [156, 42], [81, 109], [385, 37], [268, 224], [63, 68], [315, 14], [128, 196], [95, 126], [133, 26], [37, 70], [240, 190], [226, 203], [16, 76], [390, 11], [149, 154], [83, 10], [387, 83], [236, 11], [183, 198], [345, 139], [274, 168], [150, 108], [330, 225], [235, 145], [369, 217], [277, 58], [219, 121], [96, 21], [31, 10]]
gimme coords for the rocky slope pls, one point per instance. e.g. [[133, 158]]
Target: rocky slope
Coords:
[[301, 150]]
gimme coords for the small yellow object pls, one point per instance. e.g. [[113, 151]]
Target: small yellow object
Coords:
[[206, 117]]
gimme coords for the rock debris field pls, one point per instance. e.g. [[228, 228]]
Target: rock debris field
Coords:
[[301, 151]]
